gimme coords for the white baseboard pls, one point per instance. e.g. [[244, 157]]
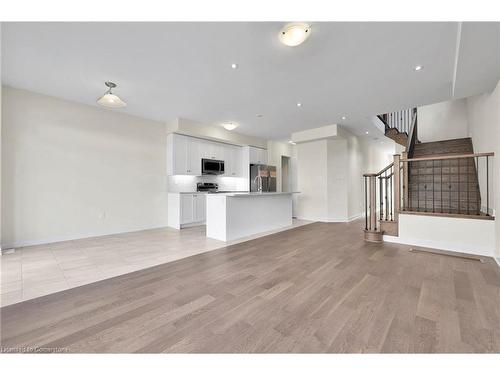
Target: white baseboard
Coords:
[[356, 216], [333, 219], [440, 245], [45, 241]]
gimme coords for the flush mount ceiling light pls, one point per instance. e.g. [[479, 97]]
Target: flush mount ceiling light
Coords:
[[294, 34], [367, 133], [229, 125], [109, 99], [344, 117], [299, 104], [234, 66], [418, 68]]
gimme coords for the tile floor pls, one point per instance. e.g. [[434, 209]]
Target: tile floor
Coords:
[[36, 271]]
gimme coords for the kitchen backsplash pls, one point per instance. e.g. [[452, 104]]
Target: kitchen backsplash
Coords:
[[188, 183]]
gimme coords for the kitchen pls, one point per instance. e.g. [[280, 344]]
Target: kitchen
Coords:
[[227, 187]]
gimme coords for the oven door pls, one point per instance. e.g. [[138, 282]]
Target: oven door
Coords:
[[210, 166]]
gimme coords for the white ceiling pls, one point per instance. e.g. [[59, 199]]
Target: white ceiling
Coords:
[[169, 70]]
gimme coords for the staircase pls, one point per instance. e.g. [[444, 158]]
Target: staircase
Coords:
[[443, 178], [398, 125], [444, 186]]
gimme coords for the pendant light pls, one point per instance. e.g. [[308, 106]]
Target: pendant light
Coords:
[[109, 99]]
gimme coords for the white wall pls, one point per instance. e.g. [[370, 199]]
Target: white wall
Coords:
[[312, 165], [330, 176], [215, 132], [1, 25], [484, 128], [337, 180], [71, 171], [471, 236], [441, 121]]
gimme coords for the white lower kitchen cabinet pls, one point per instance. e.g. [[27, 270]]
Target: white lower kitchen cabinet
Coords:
[[186, 209]]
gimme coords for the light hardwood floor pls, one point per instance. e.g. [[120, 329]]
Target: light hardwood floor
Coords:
[[316, 288], [36, 271]]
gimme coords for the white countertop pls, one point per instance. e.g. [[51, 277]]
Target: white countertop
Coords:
[[206, 192], [238, 193], [253, 194]]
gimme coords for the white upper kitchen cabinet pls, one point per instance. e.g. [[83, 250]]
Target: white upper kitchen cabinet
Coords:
[[211, 150], [257, 155], [183, 155], [232, 161]]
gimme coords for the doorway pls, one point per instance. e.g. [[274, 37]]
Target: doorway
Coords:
[[285, 174]]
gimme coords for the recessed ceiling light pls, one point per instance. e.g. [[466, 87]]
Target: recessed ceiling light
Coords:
[[367, 133], [234, 66], [230, 125], [294, 34], [109, 99], [299, 104], [344, 117], [418, 68]]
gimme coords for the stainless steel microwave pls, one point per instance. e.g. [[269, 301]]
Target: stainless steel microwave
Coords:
[[210, 166]]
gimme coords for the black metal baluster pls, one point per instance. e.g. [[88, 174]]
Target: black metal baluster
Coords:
[[478, 193], [459, 209], [418, 186], [467, 182], [441, 188], [433, 187], [385, 196], [408, 207], [487, 187], [381, 199], [449, 185], [390, 192]]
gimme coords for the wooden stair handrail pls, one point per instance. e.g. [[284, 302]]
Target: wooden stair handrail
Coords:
[[379, 173], [448, 157]]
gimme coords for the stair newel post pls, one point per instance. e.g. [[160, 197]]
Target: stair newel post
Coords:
[[373, 202], [397, 186], [366, 204]]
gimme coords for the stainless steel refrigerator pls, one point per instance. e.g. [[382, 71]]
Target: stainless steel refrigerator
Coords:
[[262, 178]]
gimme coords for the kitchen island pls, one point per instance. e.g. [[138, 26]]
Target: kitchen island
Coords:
[[232, 216]]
